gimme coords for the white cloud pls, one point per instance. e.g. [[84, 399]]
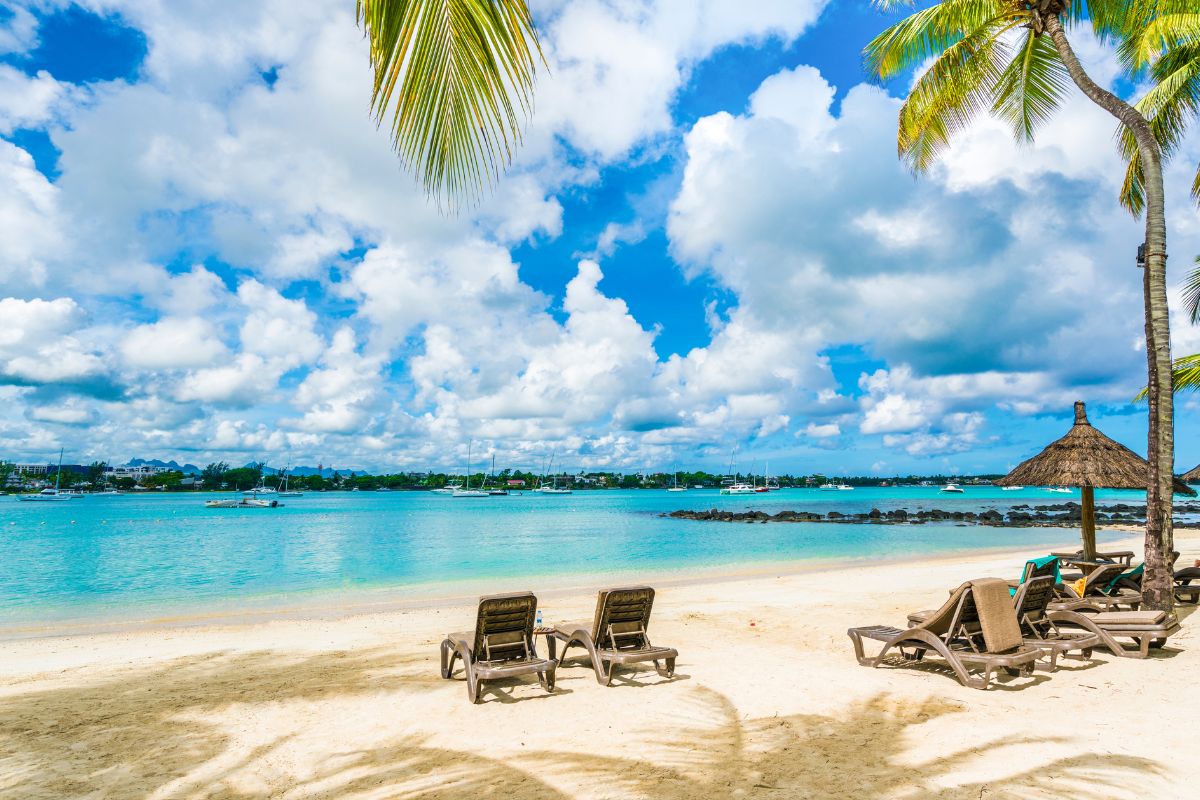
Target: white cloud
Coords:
[[173, 343], [823, 431]]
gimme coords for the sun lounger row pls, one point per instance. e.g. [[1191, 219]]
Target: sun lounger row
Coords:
[[503, 643], [988, 625]]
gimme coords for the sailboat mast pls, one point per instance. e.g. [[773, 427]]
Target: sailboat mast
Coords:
[[468, 465], [58, 477]]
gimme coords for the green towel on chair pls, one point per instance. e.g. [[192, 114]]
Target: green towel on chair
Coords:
[[1038, 565]]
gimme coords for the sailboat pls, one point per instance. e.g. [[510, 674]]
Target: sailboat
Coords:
[[497, 491], [553, 488], [49, 494], [467, 491], [283, 486], [262, 488], [676, 487]]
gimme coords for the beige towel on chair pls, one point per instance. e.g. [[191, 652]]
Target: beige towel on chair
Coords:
[[997, 617]]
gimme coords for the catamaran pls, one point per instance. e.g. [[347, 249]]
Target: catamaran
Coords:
[[49, 494], [467, 491]]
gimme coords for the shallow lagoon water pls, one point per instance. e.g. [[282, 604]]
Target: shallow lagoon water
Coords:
[[113, 555]]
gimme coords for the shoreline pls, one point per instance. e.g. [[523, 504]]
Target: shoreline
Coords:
[[339, 604]]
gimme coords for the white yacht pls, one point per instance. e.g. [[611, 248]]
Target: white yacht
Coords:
[[262, 488], [1011, 488], [448, 489], [49, 495], [952, 488], [1060, 490], [739, 488]]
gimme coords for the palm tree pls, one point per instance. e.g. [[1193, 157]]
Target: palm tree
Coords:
[[1013, 58], [454, 81]]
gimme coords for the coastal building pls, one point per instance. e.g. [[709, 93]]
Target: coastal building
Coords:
[[136, 473]]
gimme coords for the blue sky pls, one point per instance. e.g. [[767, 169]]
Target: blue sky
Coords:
[[209, 251]]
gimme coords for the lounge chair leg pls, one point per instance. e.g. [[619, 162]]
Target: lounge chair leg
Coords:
[[669, 672], [448, 653]]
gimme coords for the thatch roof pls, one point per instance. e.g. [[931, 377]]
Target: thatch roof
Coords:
[[1192, 475], [1085, 457]]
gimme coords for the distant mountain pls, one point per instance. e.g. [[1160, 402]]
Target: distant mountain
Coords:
[[186, 469], [325, 472]]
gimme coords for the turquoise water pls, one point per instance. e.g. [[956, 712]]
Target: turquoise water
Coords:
[[129, 553]]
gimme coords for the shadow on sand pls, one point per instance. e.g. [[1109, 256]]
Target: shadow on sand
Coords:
[[143, 735]]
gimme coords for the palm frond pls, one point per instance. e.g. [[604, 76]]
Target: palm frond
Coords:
[[1196, 186], [457, 77], [1185, 375], [1109, 19], [928, 32], [1133, 191], [958, 86], [1170, 106], [1159, 34], [1031, 86], [1191, 293]]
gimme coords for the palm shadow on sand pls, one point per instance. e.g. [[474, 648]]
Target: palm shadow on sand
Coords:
[[142, 734]]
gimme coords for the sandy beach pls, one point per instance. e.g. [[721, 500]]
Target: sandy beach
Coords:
[[768, 702]]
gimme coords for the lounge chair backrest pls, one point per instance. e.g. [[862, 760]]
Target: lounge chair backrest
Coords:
[[622, 618], [997, 618], [1099, 578], [504, 627], [1032, 598], [948, 620]]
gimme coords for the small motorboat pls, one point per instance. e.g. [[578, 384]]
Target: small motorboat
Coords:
[[1060, 490], [1011, 488], [952, 488], [242, 503]]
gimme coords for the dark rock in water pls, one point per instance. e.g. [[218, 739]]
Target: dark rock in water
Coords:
[[875, 513], [991, 515]]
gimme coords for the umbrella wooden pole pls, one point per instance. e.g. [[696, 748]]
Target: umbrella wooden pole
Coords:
[[1088, 523]]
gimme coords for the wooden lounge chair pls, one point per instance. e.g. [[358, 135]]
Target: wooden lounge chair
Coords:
[[1098, 593], [1037, 629], [1147, 628], [1045, 567], [1131, 580], [1040, 631], [501, 646], [617, 634], [1187, 585], [975, 627]]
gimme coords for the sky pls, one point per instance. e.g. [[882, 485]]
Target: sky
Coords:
[[706, 244]]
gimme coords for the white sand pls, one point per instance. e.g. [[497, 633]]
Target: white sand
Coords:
[[353, 707]]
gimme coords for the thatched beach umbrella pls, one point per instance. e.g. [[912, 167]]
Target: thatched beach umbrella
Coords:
[[1086, 458]]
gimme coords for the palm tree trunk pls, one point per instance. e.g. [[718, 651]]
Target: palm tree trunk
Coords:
[[1160, 450]]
